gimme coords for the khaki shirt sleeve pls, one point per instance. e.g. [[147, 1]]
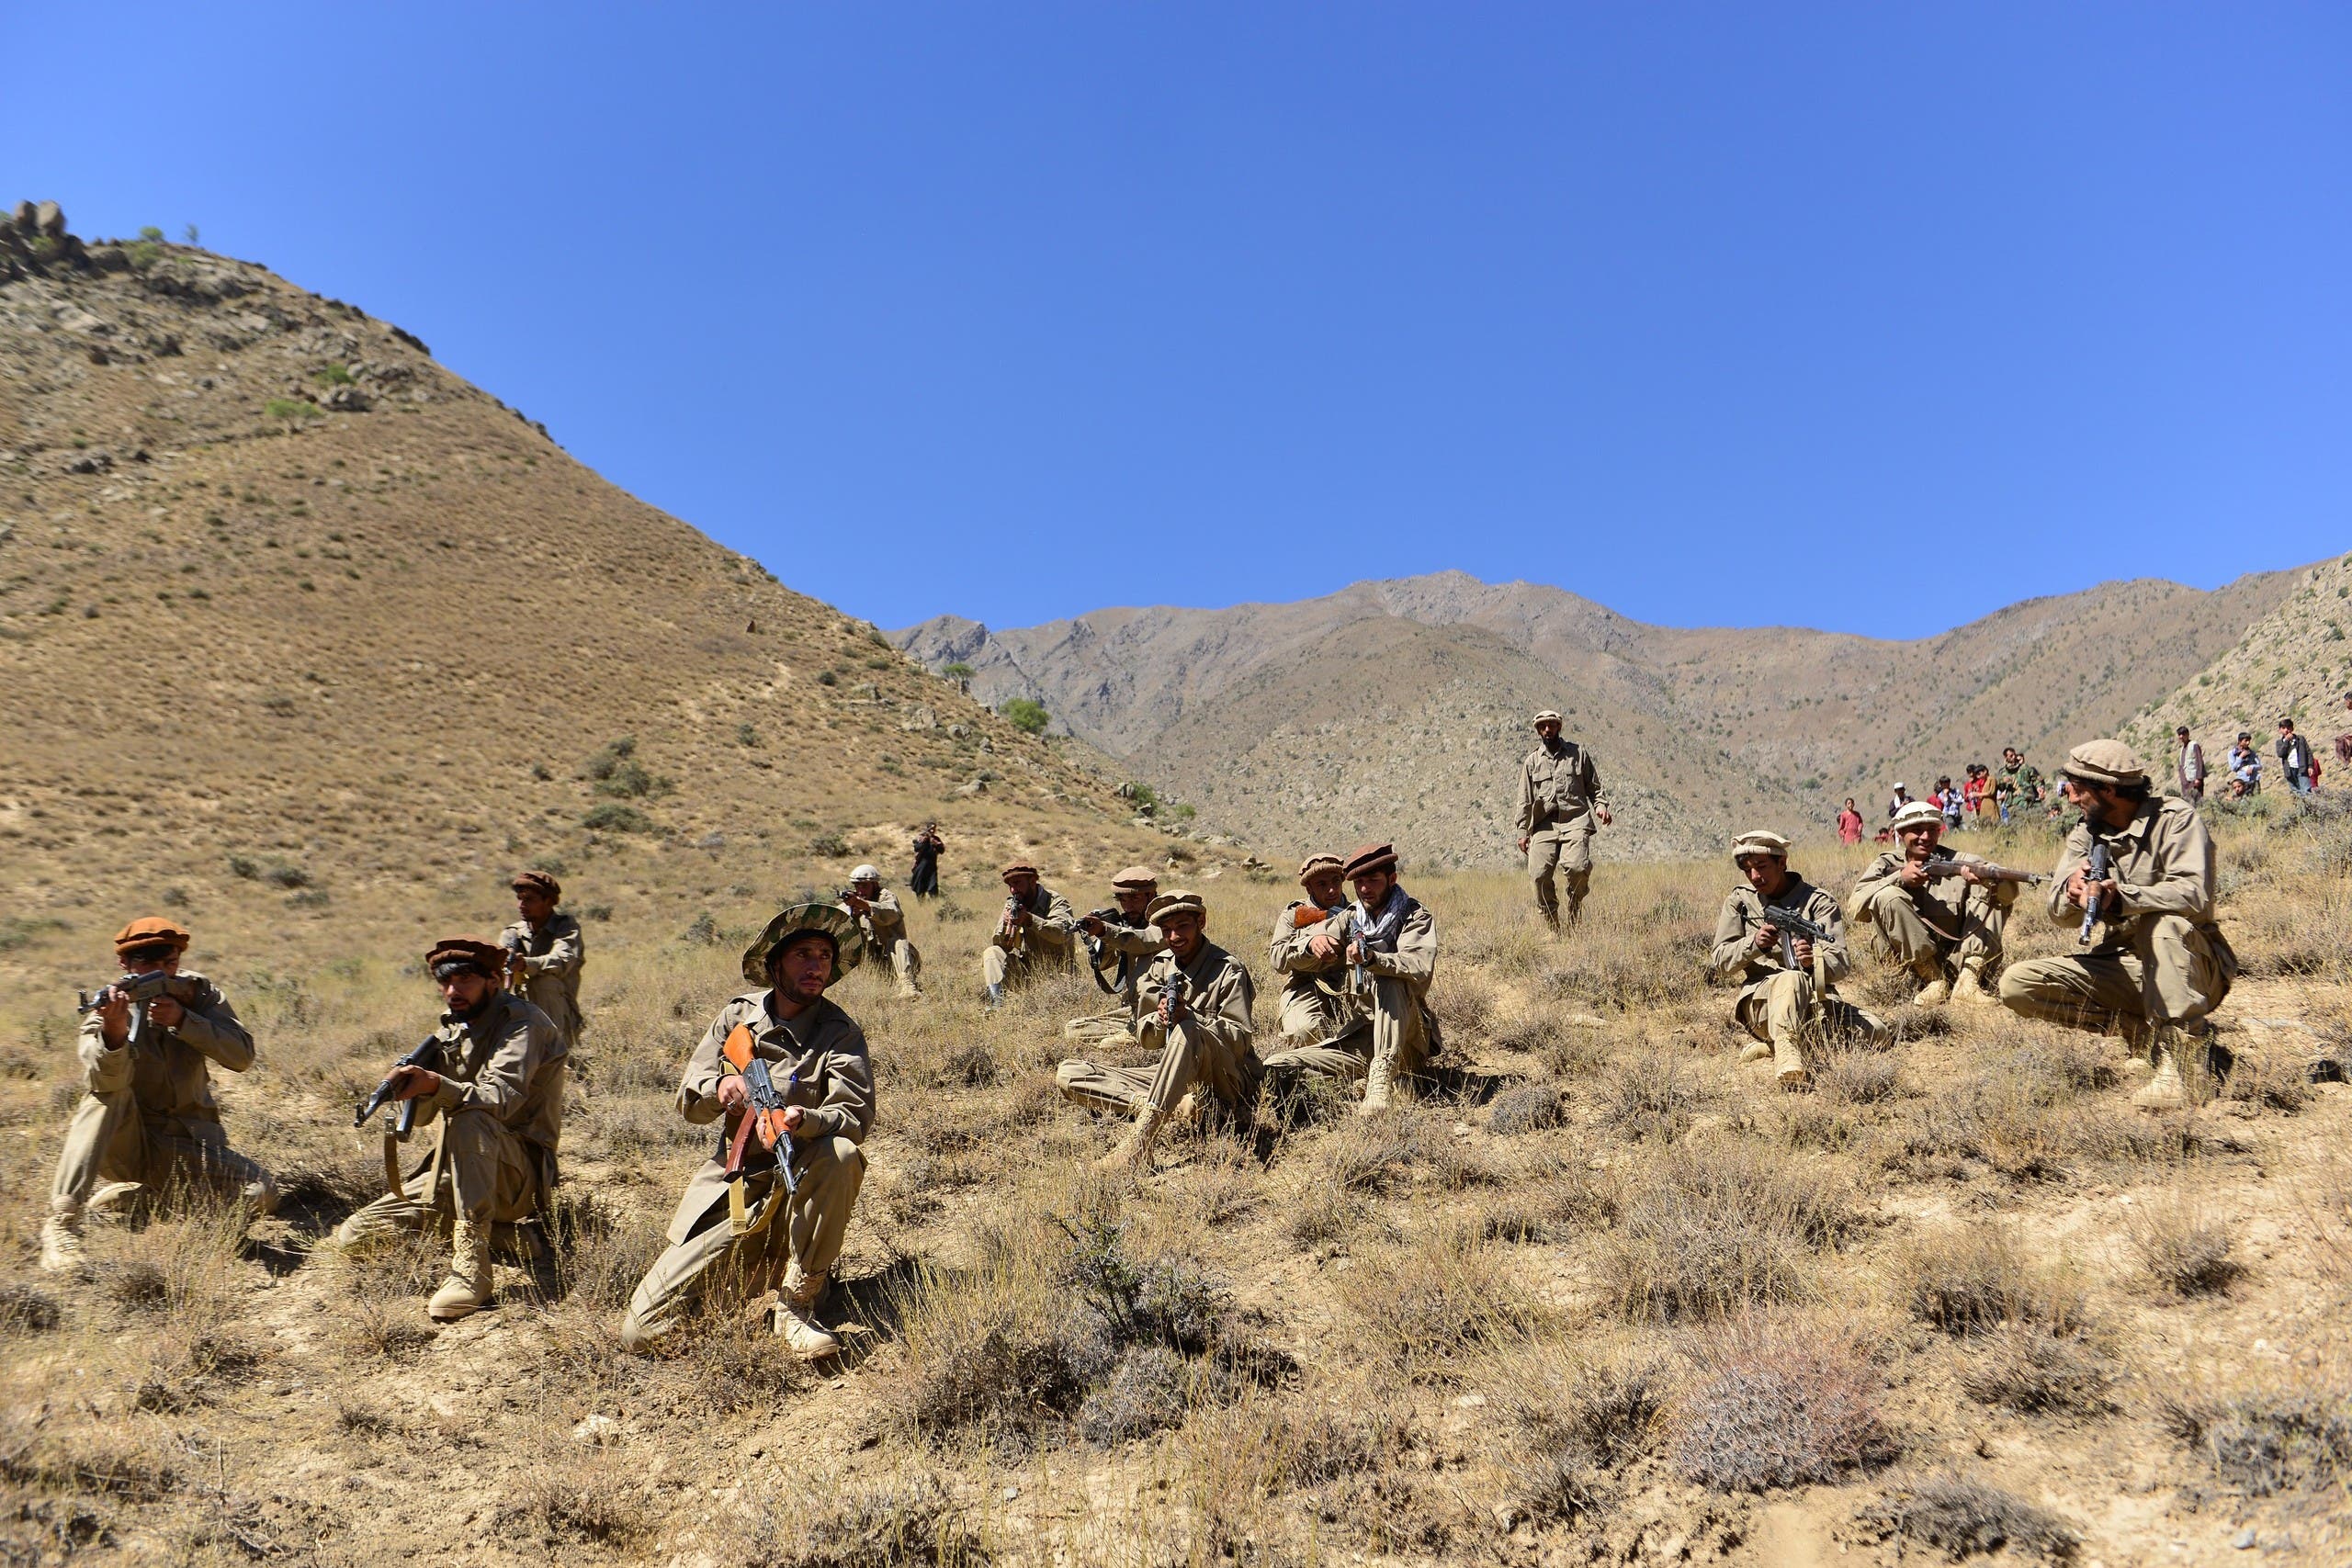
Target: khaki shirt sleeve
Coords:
[[1136, 942], [1415, 954], [1879, 874], [1733, 952], [562, 957], [1527, 808], [697, 1098], [104, 1070], [1221, 1009], [2071, 856], [1594, 790], [211, 1026], [505, 1077], [1056, 928], [2183, 852], [1287, 950], [1837, 962], [846, 1108]]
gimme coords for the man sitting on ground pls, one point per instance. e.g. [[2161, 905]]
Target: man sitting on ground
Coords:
[[1788, 998], [1946, 930]]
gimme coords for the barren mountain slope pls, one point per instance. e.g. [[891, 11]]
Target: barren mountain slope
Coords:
[[2292, 663], [1780, 721], [278, 590]]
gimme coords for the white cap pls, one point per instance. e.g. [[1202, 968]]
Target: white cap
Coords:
[[865, 873], [1899, 785]]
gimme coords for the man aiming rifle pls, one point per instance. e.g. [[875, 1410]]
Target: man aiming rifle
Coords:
[[1939, 915], [1783, 939]]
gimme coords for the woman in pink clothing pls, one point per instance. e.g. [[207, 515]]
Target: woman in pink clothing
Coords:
[[1850, 824]]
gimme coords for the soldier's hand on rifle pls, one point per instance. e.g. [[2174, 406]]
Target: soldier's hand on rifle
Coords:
[[732, 1094], [114, 1017], [1766, 939], [165, 1012], [857, 906], [793, 1117], [1172, 1009], [1322, 945], [1355, 953], [414, 1083], [1092, 925], [1973, 877], [1801, 950]]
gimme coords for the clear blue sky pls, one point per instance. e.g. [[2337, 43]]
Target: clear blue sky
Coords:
[[1871, 317]]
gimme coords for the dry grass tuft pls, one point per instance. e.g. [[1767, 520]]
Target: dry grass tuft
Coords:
[[2182, 1250], [1530, 1108], [1966, 1518], [2026, 1367], [1976, 1279], [1380, 1156], [2287, 1436], [574, 1505], [909, 1519], [1705, 1232], [1782, 1402], [1647, 1095], [1425, 1306], [27, 1309]]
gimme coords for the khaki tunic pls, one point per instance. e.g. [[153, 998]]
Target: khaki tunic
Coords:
[[1558, 788], [1050, 939], [2160, 958], [1936, 920], [1215, 1047], [551, 958], [1315, 1003], [500, 1109], [885, 925], [147, 1113], [1775, 1001], [820, 1062], [1398, 1010]]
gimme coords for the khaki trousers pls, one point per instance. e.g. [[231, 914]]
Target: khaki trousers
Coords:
[[1001, 967], [108, 1140], [1780, 1011], [1310, 1015], [1190, 1057], [804, 1241], [1898, 931], [1395, 1022], [907, 964], [1568, 846], [1102, 1027], [488, 1173], [2170, 973]]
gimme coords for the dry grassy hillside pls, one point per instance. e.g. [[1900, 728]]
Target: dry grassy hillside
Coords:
[[2293, 663], [291, 616], [1782, 722]]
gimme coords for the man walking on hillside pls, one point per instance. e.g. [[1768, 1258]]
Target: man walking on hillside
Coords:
[[1308, 951], [497, 1092], [545, 950], [1787, 995], [1120, 942], [884, 926], [2161, 962], [1037, 930], [1560, 799], [2190, 771], [1196, 1004], [146, 1122], [1932, 926], [776, 1195], [2294, 757]]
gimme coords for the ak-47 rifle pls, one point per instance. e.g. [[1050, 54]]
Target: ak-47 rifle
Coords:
[[426, 1056], [517, 944], [139, 990], [1016, 934], [1112, 916], [1794, 927], [763, 1115], [2101, 866], [1942, 866]]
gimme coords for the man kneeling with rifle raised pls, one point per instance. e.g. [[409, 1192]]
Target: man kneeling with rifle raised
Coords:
[[1121, 941], [1939, 916], [491, 1079], [1782, 938], [789, 1071], [147, 1120]]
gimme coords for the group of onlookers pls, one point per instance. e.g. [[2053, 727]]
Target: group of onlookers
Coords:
[[1984, 795], [2298, 764]]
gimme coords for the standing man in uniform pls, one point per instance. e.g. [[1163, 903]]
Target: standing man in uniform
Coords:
[[147, 1120], [746, 1227], [1037, 930], [2192, 771], [1121, 944], [496, 1093], [1306, 950], [1197, 1000], [1930, 926], [2018, 787], [2161, 963], [883, 925], [1560, 799], [544, 953], [1788, 997]]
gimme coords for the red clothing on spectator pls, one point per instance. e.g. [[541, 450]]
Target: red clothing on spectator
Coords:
[[1849, 826]]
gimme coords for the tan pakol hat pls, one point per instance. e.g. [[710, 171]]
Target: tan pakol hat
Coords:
[[1313, 864], [1918, 814], [1760, 841], [1136, 877], [2105, 762], [1546, 716], [1177, 901]]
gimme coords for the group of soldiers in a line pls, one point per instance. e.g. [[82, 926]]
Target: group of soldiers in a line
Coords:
[[783, 1061]]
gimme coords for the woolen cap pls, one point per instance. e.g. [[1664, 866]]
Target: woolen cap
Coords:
[[540, 882], [487, 957], [1760, 841], [832, 922], [1136, 877], [2105, 762], [1017, 868], [151, 930], [1918, 814], [1313, 864], [1177, 901], [1370, 857], [1546, 716]]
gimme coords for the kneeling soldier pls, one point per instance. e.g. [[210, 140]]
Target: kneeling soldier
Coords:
[[147, 1120], [884, 926], [1788, 997], [545, 950], [1306, 948], [1388, 950], [1927, 923], [1036, 929], [2161, 962], [495, 1089], [1121, 941], [779, 1200], [1197, 1000]]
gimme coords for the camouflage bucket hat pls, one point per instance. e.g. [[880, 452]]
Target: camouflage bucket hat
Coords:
[[831, 921]]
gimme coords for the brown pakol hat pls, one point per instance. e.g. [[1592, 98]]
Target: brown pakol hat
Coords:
[[486, 957], [1177, 901], [1370, 857], [2105, 762], [1016, 868], [541, 883], [1313, 864], [149, 932], [1136, 877]]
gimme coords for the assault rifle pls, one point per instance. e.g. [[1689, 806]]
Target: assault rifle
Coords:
[[1794, 927], [517, 944], [763, 1115], [2101, 866], [1942, 866], [1175, 991], [1112, 916], [138, 990], [404, 1120], [1012, 929]]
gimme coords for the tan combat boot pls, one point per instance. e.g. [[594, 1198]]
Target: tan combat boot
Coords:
[[60, 1242], [1379, 1083], [1135, 1149], [796, 1317], [1969, 990], [2165, 1091], [1934, 990], [467, 1289], [1755, 1051]]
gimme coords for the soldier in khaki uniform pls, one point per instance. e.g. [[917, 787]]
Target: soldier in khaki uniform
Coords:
[[748, 1230], [883, 925], [1038, 928], [1778, 997], [1932, 926], [1560, 799], [147, 1121], [2161, 962], [1197, 1000], [1307, 949], [495, 1100], [545, 950], [1122, 947], [1385, 956]]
